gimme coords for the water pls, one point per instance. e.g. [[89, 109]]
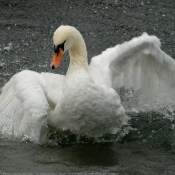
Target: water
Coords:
[[98, 157], [26, 30]]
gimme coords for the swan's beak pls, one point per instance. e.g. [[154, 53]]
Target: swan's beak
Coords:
[[56, 59]]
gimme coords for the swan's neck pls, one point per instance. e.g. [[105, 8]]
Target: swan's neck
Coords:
[[78, 53]]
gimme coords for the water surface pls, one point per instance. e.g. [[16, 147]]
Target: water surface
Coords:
[[26, 29]]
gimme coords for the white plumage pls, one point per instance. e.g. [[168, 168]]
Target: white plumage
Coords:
[[84, 101]]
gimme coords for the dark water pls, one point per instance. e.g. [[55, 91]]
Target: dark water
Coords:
[[26, 29], [89, 158]]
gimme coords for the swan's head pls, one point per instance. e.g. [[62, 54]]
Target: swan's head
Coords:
[[63, 39]]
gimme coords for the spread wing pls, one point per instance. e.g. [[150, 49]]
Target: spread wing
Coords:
[[25, 102], [23, 106], [138, 65]]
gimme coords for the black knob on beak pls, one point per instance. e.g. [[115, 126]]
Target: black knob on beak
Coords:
[[53, 67]]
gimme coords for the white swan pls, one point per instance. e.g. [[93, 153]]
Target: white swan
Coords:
[[83, 101]]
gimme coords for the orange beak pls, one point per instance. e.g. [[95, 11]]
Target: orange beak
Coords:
[[56, 59]]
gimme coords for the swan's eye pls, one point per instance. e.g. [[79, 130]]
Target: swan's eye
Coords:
[[56, 47]]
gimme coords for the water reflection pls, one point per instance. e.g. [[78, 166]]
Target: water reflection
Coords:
[[94, 154]]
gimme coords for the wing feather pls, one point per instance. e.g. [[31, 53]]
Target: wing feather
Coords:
[[138, 64], [23, 106]]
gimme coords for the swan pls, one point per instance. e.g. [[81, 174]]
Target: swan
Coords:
[[84, 101]]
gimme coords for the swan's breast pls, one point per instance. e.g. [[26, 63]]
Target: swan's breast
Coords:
[[88, 108]]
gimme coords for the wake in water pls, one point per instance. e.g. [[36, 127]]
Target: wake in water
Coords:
[[152, 123], [84, 103]]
